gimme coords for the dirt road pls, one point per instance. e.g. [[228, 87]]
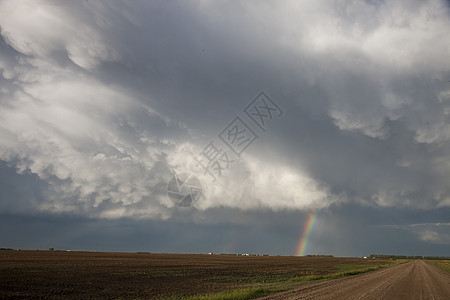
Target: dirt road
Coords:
[[413, 280]]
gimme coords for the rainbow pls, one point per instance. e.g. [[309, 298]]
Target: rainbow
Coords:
[[232, 243], [307, 229]]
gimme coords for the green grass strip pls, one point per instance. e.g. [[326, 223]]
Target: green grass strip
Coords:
[[443, 264], [238, 294], [339, 274]]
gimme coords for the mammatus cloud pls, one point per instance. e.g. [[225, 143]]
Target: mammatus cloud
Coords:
[[105, 101]]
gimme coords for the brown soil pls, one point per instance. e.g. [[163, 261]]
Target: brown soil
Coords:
[[60, 274]]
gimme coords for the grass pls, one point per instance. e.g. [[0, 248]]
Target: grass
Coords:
[[238, 294], [346, 273], [443, 264], [262, 290], [349, 270]]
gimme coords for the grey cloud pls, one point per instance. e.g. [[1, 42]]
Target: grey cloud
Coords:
[[103, 100], [344, 230]]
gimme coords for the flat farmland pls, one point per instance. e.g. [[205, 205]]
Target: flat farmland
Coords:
[[61, 274]]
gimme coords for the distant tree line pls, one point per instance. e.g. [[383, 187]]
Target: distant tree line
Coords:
[[408, 257]]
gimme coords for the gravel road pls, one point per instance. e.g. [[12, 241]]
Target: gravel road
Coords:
[[413, 280]]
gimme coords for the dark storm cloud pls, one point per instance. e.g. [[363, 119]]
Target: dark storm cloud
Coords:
[[102, 101], [339, 231]]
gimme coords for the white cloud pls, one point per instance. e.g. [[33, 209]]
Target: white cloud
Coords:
[[252, 183], [436, 233], [87, 140], [375, 44], [430, 236], [39, 28], [73, 114]]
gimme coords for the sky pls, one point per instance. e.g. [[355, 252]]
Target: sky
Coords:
[[275, 127]]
